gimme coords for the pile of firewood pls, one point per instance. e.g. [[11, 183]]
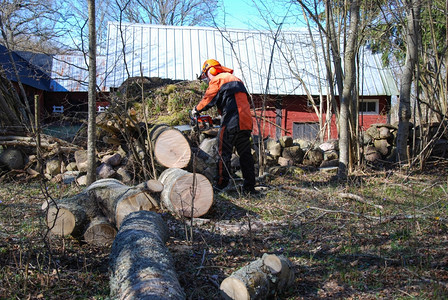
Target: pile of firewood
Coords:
[[95, 214]]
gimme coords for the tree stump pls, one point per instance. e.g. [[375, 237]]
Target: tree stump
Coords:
[[184, 198], [170, 147], [141, 265], [263, 277]]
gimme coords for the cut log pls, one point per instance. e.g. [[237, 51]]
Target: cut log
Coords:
[[280, 271], [117, 200], [261, 278], [170, 147], [70, 216], [184, 198], [141, 265], [100, 232], [152, 185]]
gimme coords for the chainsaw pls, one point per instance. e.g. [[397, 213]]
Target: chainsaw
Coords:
[[198, 123], [201, 122]]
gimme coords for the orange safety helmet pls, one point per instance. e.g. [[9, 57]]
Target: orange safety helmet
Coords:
[[214, 67]]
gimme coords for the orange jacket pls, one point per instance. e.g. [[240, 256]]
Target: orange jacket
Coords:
[[230, 96]]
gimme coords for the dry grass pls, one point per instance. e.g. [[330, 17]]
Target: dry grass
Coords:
[[341, 247]]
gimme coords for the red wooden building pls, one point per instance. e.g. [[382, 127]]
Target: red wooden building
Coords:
[[295, 116]]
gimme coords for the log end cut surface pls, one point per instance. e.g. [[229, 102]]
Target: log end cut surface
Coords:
[[154, 186], [100, 233], [61, 221], [188, 199], [172, 149], [233, 288]]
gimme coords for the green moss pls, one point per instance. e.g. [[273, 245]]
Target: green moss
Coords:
[[176, 118], [169, 89]]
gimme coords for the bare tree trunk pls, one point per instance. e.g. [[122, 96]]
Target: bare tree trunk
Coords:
[[91, 139], [348, 90], [404, 108]]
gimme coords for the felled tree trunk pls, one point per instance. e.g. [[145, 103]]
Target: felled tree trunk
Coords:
[[70, 216], [170, 147], [117, 200], [267, 276], [141, 265], [186, 194]]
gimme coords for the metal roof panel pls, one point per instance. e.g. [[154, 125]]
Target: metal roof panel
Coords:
[[176, 52]]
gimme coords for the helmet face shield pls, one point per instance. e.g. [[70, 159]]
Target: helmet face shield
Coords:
[[203, 75]]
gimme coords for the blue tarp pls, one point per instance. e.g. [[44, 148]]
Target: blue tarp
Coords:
[[29, 74]]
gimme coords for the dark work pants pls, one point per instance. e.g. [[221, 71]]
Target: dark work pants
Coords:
[[227, 139]]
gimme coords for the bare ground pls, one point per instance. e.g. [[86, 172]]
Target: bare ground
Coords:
[[378, 235]]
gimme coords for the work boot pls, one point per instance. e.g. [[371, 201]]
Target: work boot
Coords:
[[221, 187], [251, 192]]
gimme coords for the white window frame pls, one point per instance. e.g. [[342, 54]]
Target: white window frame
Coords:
[[316, 99], [377, 106]]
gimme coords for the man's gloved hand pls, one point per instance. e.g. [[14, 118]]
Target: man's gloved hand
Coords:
[[194, 113]]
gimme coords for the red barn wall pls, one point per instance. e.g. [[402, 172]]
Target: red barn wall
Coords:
[[294, 109]]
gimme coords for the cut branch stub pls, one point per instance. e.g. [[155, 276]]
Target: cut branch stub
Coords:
[[186, 194]]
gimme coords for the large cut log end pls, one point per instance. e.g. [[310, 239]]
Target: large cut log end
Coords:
[[185, 193], [233, 288], [172, 149], [61, 221]]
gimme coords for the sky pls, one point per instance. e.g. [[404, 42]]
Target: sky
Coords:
[[252, 14]]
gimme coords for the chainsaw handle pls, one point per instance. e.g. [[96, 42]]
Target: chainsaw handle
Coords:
[[194, 114]]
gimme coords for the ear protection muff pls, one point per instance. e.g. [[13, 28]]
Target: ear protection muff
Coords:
[[213, 71]]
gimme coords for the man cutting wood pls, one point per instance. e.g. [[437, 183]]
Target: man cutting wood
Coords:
[[230, 96]]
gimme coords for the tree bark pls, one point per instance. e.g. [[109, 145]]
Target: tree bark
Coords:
[[141, 265], [348, 91], [91, 136], [117, 200], [186, 194], [267, 276], [404, 107]]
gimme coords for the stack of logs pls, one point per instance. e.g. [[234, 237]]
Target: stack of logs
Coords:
[[95, 214]]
